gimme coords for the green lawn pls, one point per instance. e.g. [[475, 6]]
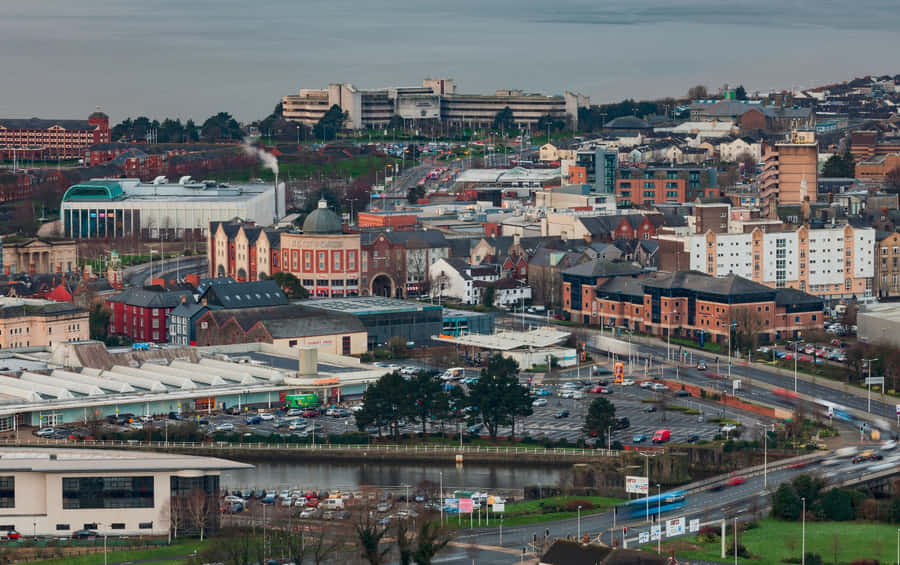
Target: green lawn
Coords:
[[162, 552], [775, 540], [529, 512]]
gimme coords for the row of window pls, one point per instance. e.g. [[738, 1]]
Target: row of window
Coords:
[[309, 283]]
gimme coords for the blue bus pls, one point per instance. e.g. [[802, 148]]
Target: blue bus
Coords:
[[664, 502]]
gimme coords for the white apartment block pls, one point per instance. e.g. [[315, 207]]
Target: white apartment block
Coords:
[[833, 262]]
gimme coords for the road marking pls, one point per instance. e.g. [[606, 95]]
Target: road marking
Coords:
[[497, 548]]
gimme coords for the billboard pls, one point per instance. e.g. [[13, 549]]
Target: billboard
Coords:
[[675, 527], [465, 505], [637, 485], [418, 106]]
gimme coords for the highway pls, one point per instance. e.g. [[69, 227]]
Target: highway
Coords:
[[139, 274], [742, 501]]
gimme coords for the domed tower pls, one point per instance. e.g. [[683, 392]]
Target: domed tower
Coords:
[[322, 221]]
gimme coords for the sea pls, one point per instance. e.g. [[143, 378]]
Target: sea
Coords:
[[190, 59]]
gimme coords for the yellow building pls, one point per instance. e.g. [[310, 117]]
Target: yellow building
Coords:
[[40, 323], [37, 256]]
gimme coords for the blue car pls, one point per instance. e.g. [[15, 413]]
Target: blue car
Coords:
[[640, 438], [253, 420], [542, 392]]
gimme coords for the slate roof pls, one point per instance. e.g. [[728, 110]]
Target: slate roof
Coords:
[[608, 224], [291, 320], [627, 122], [421, 239], [729, 285], [626, 286], [203, 284], [787, 296], [38, 123], [252, 294], [188, 309], [602, 268], [145, 298], [461, 246]]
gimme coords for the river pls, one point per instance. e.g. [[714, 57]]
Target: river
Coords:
[[323, 476]]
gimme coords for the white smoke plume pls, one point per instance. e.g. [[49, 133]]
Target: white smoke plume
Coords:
[[269, 161]]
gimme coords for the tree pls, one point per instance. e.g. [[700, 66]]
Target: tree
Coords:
[[808, 487], [698, 92], [487, 296], [99, 322], [740, 93], [748, 325], [396, 123], [331, 123], [386, 402], [600, 417], [497, 396], [837, 506], [290, 284], [549, 122], [199, 506], [431, 539], [430, 398], [839, 166], [235, 546], [785, 503], [504, 120], [371, 535], [221, 126]]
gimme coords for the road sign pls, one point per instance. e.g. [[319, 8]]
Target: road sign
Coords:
[[874, 380], [499, 507], [644, 537], [675, 527], [694, 525], [637, 485], [655, 532], [465, 505], [898, 409]]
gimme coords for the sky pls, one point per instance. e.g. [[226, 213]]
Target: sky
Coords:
[[171, 58]]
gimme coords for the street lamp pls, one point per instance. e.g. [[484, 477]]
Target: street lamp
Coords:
[[647, 478], [796, 350], [803, 534], [765, 454], [579, 524], [659, 517], [869, 384]]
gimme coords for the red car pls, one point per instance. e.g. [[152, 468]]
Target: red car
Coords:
[[310, 413], [597, 390], [736, 480]]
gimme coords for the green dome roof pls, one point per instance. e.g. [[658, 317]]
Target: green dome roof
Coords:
[[322, 221]]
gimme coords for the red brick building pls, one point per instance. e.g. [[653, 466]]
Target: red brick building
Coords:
[[143, 314], [700, 307], [34, 138]]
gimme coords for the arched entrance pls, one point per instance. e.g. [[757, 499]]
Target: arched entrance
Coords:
[[242, 275], [262, 276], [221, 271], [382, 285]]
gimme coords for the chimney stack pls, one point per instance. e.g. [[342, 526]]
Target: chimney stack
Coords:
[[308, 355]]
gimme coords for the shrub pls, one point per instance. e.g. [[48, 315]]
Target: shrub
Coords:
[[708, 534], [741, 550], [864, 562], [572, 505], [813, 558]]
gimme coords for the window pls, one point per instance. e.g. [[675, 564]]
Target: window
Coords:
[[62, 527], [145, 525], [351, 260], [624, 185], [345, 345], [7, 492], [649, 185], [336, 260], [321, 260], [307, 260], [117, 526], [107, 492], [90, 526]]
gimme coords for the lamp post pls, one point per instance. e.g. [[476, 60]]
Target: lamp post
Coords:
[[659, 517], [735, 540], [579, 524], [647, 477], [152, 251], [441, 501], [796, 348], [803, 534], [765, 454], [869, 385]]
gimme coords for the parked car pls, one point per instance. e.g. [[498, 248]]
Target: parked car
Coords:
[[232, 499], [84, 534], [659, 387], [541, 392], [267, 417], [253, 420], [640, 438], [627, 382], [225, 427], [622, 422], [474, 429], [701, 365], [310, 413], [45, 432], [682, 393], [661, 436], [646, 384], [341, 413], [606, 390], [561, 414], [539, 402], [309, 513]]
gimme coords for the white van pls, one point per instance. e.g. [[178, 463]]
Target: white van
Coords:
[[453, 373], [333, 504]]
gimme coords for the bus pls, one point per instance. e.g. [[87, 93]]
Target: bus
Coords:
[[659, 503], [301, 400], [619, 371]]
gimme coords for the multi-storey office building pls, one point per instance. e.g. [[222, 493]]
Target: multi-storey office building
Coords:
[[35, 138]]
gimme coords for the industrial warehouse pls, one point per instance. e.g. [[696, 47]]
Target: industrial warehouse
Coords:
[[83, 381]]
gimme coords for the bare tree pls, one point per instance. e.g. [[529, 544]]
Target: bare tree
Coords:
[[835, 545], [370, 535], [697, 92], [198, 507], [749, 324], [236, 546]]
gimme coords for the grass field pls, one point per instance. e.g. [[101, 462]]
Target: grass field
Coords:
[[775, 540], [163, 555], [529, 512]]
